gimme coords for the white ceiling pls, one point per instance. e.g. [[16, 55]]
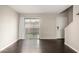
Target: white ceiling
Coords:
[[39, 8]]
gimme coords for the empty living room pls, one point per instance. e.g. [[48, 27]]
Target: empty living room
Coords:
[[39, 28]]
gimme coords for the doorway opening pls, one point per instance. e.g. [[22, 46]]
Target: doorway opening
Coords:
[[32, 27]]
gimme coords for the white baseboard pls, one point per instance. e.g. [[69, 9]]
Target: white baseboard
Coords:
[[72, 47], [8, 45], [51, 39]]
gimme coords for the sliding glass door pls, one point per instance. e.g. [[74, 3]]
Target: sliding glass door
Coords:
[[32, 26]]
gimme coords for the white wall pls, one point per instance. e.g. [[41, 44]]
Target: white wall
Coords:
[[61, 21], [8, 26], [47, 25], [72, 31], [21, 28]]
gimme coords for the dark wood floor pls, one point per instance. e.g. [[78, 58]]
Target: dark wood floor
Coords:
[[40, 46]]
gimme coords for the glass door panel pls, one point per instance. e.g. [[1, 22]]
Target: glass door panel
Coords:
[[32, 27]]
